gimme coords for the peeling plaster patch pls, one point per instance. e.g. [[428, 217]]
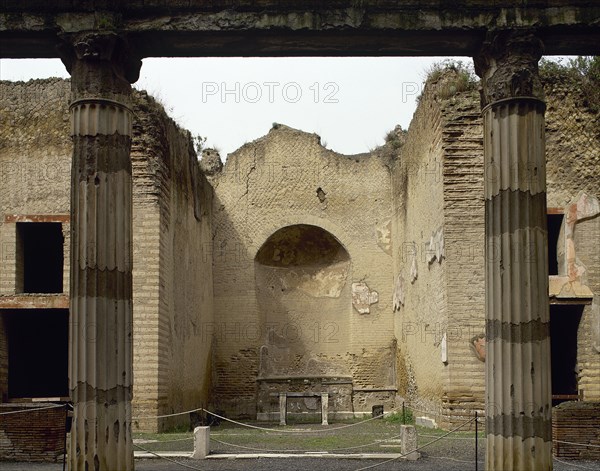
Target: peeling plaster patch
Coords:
[[477, 344], [571, 281], [384, 236], [398, 300], [326, 282], [444, 349], [435, 246], [363, 297], [413, 265]]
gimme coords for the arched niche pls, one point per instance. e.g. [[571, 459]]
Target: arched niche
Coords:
[[302, 275]]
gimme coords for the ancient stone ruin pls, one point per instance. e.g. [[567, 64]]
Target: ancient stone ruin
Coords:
[[294, 274]]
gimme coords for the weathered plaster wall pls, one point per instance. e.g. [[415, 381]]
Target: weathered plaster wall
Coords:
[[172, 275], [464, 242], [420, 289], [446, 132], [573, 168], [35, 163], [172, 269], [284, 179], [35, 156]]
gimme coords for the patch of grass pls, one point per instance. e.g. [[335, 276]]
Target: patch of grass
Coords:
[[370, 436], [400, 418]]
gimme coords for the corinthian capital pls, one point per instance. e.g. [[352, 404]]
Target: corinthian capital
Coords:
[[508, 66], [101, 47]]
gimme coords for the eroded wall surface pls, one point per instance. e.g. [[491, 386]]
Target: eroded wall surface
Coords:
[[286, 321], [438, 210], [421, 308], [172, 277], [172, 270], [35, 156], [573, 178]]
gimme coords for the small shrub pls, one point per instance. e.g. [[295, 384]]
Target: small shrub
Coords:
[[451, 77]]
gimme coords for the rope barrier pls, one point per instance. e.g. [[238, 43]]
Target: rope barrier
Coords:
[[450, 438], [167, 459], [255, 449], [305, 451], [267, 429], [377, 442], [452, 459], [576, 465], [169, 441], [55, 406], [589, 445], [418, 448], [167, 415]]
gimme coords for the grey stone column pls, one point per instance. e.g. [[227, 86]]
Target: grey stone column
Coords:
[[518, 387], [100, 345]]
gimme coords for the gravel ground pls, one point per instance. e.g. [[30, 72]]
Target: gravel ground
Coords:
[[426, 463]]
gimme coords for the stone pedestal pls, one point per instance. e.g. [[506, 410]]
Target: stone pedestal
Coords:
[[282, 408], [201, 443], [324, 408], [518, 388], [409, 442], [100, 348]]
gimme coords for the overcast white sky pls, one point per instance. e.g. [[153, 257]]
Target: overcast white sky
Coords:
[[350, 102]]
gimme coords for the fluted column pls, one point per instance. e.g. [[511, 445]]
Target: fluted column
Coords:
[[100, 346], [518, 387]]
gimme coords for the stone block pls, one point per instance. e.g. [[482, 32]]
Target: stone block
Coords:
[[409, 442]]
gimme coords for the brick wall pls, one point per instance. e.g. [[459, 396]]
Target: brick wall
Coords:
[[32, 436], [272, 183], [418, 201], [576, 422], [573, 166], [172, 275], [464, 389], [172, 270], [35, 162], [446, 132]]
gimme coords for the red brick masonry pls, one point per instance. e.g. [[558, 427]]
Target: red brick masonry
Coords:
[[32, 436], [577, 422]]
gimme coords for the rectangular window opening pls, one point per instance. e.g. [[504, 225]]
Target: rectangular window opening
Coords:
[[37, 352], [554, 225], [40, 257]]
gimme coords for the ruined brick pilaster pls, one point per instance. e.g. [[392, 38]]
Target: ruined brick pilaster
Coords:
[[100, 348], [518, 386]]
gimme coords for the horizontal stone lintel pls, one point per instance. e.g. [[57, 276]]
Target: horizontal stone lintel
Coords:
[[299, 28], [13, 218], [35, 301], [523, 332]]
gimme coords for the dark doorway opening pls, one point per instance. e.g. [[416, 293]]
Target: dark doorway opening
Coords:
[[37, 352], [554, 225], [40, 253], [564, 324]]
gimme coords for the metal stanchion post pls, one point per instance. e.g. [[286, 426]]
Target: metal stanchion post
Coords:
[[66, 425], [476, 463]]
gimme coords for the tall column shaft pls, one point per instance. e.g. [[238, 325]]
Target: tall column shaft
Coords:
[[518, 387], [100, 347]]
